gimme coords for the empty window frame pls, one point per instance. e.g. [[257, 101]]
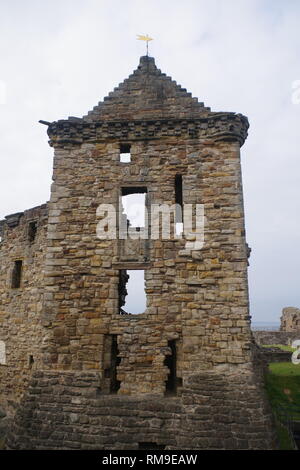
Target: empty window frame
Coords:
[[132, 295], [115, 361], [111, 361], [30, 361], [2, 353], [170, 362], [17, 274], [179, 204], [133, 200], [32, 230], [125, 155]]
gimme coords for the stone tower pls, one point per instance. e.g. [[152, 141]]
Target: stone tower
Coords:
[[290, 320], [183, 373]]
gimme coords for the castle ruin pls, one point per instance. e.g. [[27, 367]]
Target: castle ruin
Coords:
[[290, 320], [79, 371]]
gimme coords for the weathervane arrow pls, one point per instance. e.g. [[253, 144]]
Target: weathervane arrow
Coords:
[[146, 38]]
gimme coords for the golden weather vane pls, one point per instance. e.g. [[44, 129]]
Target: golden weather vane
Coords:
[[146, 38]]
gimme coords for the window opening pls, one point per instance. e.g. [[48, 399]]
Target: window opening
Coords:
[[30, 361], [179, 204], [134, 207], [132, 295], [32, 230], [2, 353], [17, 274], [125, 155], [115, 361], [170, 362]]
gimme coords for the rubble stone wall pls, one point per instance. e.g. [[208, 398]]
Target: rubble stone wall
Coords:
[[275, 337], [217, 410], [20, 308], [290, 320], [197, 297]]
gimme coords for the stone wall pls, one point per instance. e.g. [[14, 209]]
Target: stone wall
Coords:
[[102, 377], [290, 320], [270, 355], [198, 298], [275, 337], [223, 409], [20, 308]]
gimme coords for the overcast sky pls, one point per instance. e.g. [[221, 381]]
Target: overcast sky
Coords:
[[60, 57]]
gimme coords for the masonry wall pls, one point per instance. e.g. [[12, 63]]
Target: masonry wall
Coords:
[[217, 410], [275, 337], [102, 379], [290, 320], [197, 297], [20, 308]]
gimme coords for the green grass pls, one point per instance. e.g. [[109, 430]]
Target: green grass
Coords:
[[280, 346], [283, 389], [285, 369], [283, 383], [285, 442]]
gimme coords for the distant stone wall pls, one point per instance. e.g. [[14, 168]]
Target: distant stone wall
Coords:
[[270, 355], [23, 239], [275, 337], [290, 320], [217, 410]]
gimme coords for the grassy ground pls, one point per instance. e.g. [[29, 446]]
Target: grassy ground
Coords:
[[283, 389], [285, 442], [283, 384], [285, 369]]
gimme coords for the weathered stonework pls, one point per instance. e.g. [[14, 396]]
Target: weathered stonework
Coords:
[[20, 309], [275, 337], [290, 320], [101, 378], [215, 411]]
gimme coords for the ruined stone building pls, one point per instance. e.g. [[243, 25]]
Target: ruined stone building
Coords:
[[290, 320], [78, 370]]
